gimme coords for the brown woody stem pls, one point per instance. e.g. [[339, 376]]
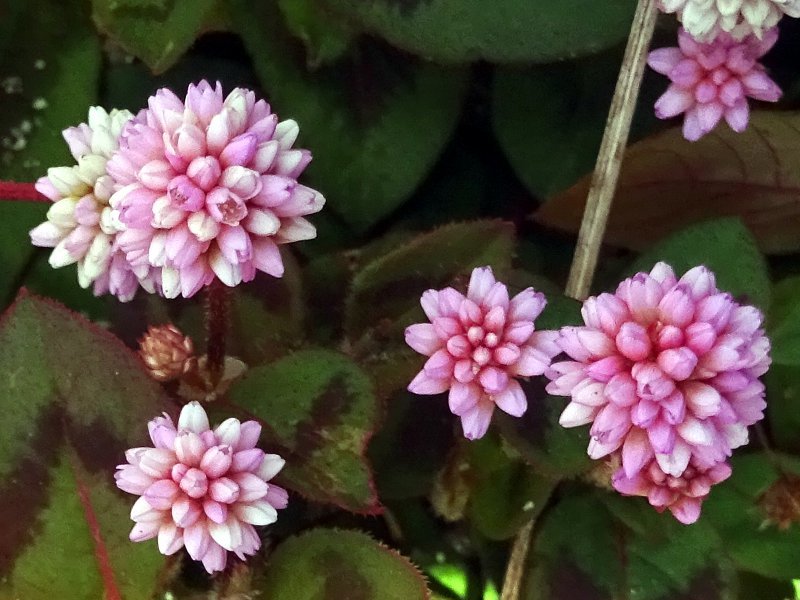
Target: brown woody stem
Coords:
[[595, 216], [609, 159], [218, 298], [515, 571]]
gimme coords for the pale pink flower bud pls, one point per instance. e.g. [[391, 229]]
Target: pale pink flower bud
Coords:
[[190, 493], [204, 171]]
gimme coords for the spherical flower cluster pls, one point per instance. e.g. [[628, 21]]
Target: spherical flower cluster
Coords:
[[208, 188], [81, 227], [477, 345], [712, 81], [707, 19], [201, 488], [666, 370]]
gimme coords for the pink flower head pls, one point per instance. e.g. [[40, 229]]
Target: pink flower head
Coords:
[[711, 81], [81, 226], [477, 345], [201, 488], [664, 369], [208, 188], [682, 495]]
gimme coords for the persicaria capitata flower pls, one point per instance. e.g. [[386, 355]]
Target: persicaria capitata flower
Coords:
[[208, 188], [81, 226], [713, 81], [667, 371], [202, 488], [706, 20], [478, 345]]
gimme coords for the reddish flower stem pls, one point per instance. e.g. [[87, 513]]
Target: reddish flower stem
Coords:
[[12, 190], [218, 300]]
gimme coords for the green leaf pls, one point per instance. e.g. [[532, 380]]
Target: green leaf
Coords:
[[500, 31], [666, 185], [784, 322], [726, 247], [156, 32], [572, 100], [552, 450], [754, 545], [50, 75], [18, 219], [783, 399], [330, 563], [326, 39], [52, 357], [658, 563], [73, 399], [388, 288], [412, 444], [375, 123], [87, 522], [506, 494], [319, 409]]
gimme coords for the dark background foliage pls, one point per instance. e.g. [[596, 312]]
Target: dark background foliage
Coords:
[[446, 134]]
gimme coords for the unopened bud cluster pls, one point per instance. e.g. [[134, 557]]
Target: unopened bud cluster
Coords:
[[166, 352]]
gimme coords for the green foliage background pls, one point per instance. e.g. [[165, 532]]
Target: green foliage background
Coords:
[[446, 134]]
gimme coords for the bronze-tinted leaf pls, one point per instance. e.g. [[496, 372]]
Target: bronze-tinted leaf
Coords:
[[318, 410], [668, 183]]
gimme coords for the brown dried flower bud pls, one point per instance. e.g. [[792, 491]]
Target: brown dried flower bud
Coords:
[[166, 352], [781, 501]]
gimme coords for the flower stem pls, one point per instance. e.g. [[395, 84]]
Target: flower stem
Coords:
[[515, 571], [218, 301], [609, 159], [11, 190]]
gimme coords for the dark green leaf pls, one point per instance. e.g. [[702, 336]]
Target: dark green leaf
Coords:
[[411, 445], [319, 410], [18, 219], [783, 399], [572, 100], [326, 39], [375, 123], [331, 563], [657, 563], [506, 494], [726, 247], [500, 31], [52, 355], [388, 288], [49, 79], [158, 33], [87, 522], [784, 322], [73, 399], [755, 545]]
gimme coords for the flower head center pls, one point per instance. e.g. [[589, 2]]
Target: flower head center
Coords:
[[194, 483]]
